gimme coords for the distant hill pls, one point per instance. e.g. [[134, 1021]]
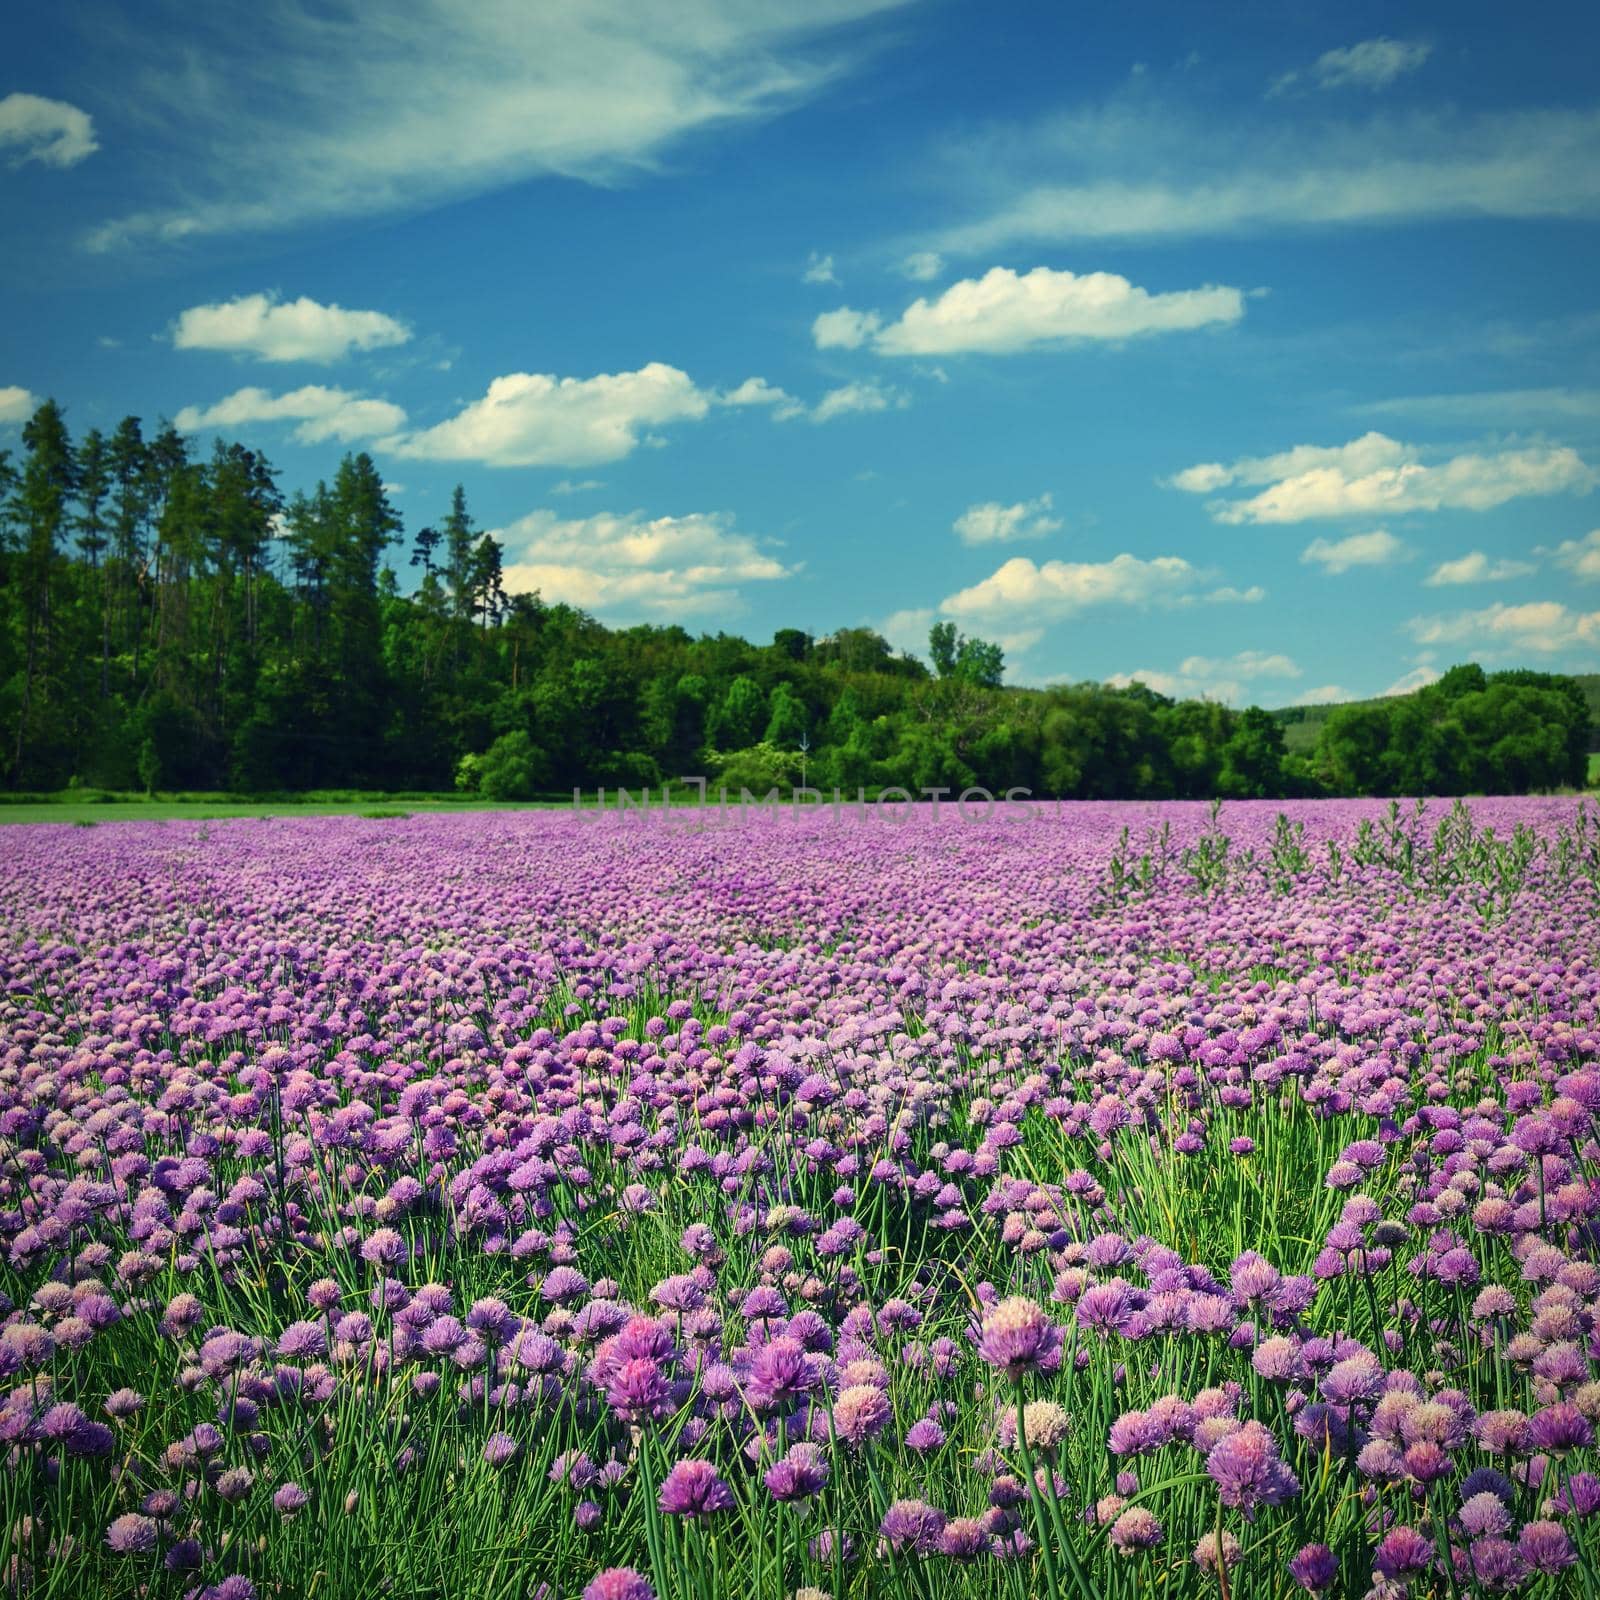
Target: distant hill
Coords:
[[1303, 724]]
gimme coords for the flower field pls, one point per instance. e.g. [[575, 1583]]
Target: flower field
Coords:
[[1091, 1201]]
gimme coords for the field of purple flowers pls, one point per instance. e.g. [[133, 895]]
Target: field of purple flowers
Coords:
[[1098, 1202]]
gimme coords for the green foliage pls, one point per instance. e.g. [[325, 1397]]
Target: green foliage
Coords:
[[513, 768], [168, 619]]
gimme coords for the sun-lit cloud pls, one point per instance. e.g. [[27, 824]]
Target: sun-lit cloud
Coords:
[[1021, 589], [321, 413], [270, 329], [1540, 626], [1476, 567], [50, 132], [993, 523], [1379, 548], [628, 564], [1378, 475], [535, 419], [819, 269], [922, 266], [1211, 678], [1580, 557], [852, 397], [17, 404], [1004, 311]]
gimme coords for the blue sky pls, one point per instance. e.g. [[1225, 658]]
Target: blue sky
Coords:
[[1251, 350]]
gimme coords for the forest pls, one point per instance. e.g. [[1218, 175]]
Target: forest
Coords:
[[171, 620]]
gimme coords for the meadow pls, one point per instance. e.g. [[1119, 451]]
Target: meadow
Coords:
[[1072, 1201]]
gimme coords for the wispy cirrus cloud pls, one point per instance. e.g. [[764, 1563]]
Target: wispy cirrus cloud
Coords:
[[1371, 64], [342, 110], [1132, 168]]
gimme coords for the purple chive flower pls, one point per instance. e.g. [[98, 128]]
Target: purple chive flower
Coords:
[[1546, 1547], [911, 1526], [1314, 1568], [619, 1583], [1247, 1472], [1401, 1552], [693, 1489], [131, 1535], [289, 1499], [799, 1475], [861, 1413], [924, 1435], [1018, 1338], [500, 1449]]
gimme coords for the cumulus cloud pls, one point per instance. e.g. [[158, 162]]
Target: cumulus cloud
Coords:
[[294, 330], [819, 269], [850, 397], [628, 564], [993, 523], [908, 630], [1325, 694], [922, 266], [1378, 475], [534, 419], [758, 392], [50, 132], [1417, 678], [1545, 626], [1580, 557], [17, 404], [1476, 567], [1023, 590], [844, 329], [1379, 548], [1210, 678], [1005, 311], [1372, 64], [322, 413], [450, 100]]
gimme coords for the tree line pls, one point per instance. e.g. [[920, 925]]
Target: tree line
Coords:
[[171, 620]]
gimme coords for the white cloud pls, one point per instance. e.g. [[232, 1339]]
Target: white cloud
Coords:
[[851, 397], [1229, 595], [1379, 548], [322, 413], [993, 523], [844, 329], [1020, 589], [819, 269], [50, 132], [908, 630], [1379, 475], [577, 485], [1004, 311], [295, 330], [922, 266], [627, 564], [534, 419], [446, 99], [1205, 678], [17, 404], [1493, 406], [1476, 567], [758, 392], [1580, 557], [1545, 626], [1416, 678], [1136, 170], [1372, 64], [1325, 694]]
